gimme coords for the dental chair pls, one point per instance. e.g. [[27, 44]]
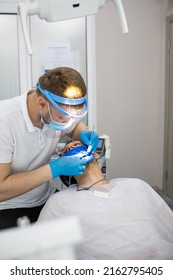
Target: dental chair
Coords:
[[166, 198]]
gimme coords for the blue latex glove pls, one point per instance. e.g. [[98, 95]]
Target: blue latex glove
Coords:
[[68, 166], [90, 138]]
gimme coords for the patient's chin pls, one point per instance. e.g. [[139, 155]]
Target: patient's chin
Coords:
[[96, 155]]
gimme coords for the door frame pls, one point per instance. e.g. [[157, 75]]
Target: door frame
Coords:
[[169, 20]]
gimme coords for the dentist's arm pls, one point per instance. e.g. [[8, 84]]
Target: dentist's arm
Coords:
[[75, 134], [20, 183], [14, 185], [90, 138]]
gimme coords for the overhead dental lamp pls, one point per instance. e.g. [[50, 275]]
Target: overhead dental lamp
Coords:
[[56, 10]]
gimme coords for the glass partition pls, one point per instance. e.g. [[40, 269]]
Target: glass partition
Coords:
[[9, 67]]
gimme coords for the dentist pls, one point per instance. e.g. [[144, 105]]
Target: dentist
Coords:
[[31, 126]]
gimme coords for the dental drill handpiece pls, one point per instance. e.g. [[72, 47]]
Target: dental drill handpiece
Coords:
[[90, 147]]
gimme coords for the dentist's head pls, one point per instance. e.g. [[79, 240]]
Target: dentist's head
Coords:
[[62, 98]]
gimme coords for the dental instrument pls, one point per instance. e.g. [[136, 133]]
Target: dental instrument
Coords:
[[90, 146]]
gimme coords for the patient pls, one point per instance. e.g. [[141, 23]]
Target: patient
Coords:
[[120, 219]]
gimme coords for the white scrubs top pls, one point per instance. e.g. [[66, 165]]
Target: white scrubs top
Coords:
[[27, 147], [126, 220]]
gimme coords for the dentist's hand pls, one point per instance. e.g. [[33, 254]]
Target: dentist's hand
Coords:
[[90, 138], [68, 166]]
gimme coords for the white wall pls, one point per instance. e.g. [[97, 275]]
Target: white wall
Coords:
[[130, 88]]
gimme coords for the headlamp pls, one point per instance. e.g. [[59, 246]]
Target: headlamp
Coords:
[[53, 98]]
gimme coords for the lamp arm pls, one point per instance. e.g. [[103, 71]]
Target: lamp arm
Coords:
[[122, 16], [24, 9]]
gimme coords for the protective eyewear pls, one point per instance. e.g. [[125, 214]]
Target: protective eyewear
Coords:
[[72, 111]]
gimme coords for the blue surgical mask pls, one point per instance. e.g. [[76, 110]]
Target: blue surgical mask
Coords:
[[54, 125]]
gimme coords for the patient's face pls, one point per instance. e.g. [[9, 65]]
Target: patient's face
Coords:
[[71, 146]]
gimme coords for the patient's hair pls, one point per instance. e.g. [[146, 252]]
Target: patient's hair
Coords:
[[69, 140]]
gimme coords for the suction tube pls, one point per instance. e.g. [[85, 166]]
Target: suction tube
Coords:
[[23, 10], [122, 16]]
